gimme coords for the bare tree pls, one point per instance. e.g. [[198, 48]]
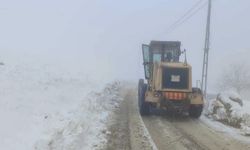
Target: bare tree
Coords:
[[236, 77]]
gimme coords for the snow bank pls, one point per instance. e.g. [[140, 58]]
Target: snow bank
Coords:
[[83, 128], [230, 109], [47, 108]]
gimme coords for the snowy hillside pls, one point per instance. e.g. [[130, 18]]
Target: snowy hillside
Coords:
[[47, 108]]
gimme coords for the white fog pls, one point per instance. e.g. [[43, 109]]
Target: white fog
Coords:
[[62, 58]]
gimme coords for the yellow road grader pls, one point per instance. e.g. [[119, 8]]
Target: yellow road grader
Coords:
[[168, 81]]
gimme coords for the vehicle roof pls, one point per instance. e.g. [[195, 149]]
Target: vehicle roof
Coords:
[[159, 46], [166, 43]]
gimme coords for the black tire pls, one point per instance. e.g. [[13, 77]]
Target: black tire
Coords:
[[195, 111], [140, 85], [144, 107]]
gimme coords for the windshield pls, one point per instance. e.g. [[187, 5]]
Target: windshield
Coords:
[[156, 57], [167, 56]]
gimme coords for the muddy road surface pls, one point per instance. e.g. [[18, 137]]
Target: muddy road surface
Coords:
[[128, 130]]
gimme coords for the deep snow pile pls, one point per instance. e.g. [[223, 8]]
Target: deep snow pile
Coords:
[[230, 109], [47, 108]]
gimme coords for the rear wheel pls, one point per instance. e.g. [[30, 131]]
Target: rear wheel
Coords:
[[144, 107], [195, 111]]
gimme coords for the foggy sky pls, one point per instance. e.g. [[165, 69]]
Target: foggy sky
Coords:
[[103, 37]]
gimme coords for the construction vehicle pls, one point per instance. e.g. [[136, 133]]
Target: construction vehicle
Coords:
[[169, 81]]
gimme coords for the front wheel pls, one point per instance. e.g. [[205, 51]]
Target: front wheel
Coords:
[[144, 107]]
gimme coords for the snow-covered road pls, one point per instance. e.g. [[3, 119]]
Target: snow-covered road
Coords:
[[166, 132]]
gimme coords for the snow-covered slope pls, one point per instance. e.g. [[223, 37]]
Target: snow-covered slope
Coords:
[[47, 108], [230, 109]]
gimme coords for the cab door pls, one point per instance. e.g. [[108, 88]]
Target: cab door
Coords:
[[146, 60]]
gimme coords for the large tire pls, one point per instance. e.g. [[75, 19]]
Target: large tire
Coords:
[[195, 111], [144, 107]]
